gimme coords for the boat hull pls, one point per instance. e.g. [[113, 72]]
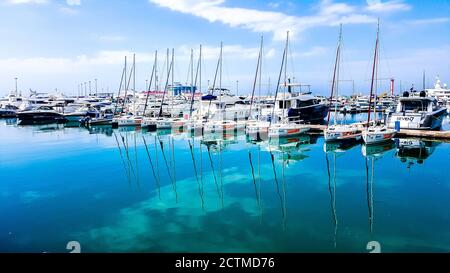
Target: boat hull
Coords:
[[431, 121], [41, 117], [312, 114]]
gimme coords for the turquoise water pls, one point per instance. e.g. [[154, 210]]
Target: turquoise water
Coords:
[[60, 184]]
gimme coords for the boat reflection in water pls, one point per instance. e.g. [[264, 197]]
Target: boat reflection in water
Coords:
[[10, 121], [377, 150], [50, 127], [340, 146], [104, 130], [372, 153], [292, 149], [412, 151]]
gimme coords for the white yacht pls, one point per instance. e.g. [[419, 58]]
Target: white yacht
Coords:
[[377, 134], [417, 112], [440, 91]]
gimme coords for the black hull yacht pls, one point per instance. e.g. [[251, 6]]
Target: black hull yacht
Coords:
[[42, 114], [307, 108]]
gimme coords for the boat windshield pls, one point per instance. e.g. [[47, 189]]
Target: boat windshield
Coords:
[[414, 106], [305, 103]]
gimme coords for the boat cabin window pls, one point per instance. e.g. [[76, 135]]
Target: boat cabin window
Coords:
[[414, 106], [287, 104], [304, 103], [45, 108]]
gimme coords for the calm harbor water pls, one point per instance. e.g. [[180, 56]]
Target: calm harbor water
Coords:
[[98, 187]]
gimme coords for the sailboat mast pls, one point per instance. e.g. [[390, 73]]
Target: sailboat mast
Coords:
[[373, 73], [173, 88], [260, 77], [423, 81], [134, 84], [149, 87], [214, 82], [220, 76], [278, 85], [165, 87], [192, 72], [256, 77], [200, 76], [285, 74], [333, 83], [125, 83]]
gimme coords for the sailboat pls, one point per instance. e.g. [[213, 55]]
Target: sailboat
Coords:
[[339, 132], [284, 128], [376, 133], [218, 124], [170, 122], [149, 122], [130, 119], [195, 122], [257, 129]]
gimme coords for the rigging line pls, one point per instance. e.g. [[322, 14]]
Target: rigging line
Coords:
[[291, 56], [278, 85], [118, 93], [256, 79], [191, 148], [214, 82], [151, 79], [198, 71], [212, 169], [127, 85], [189, 67], [123, 160], [333, 83], [158, 184], [166, 86]]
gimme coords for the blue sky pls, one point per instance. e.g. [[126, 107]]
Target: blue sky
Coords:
[[52, 44]]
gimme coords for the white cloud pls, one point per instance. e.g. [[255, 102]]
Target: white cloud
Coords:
[[329, 14], [378, 6], [59, 65], [73, 2], [440, 20], [19, 2]]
